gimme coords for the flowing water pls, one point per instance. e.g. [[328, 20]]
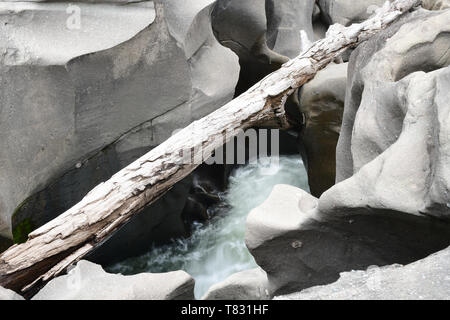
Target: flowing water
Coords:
[[217, 249]]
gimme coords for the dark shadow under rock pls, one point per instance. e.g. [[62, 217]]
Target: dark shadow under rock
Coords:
[[5, 243], [300, 247]]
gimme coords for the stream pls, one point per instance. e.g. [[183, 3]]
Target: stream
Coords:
[[217, 249]]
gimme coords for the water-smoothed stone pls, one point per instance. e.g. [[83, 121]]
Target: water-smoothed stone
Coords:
[[6, 294], [263, 33], [242, 27], [393, 147], [107, 93], [436, 4], [346, 12], [293, 30], [42, 120], [322, 104], [88, 281], [245, 285], [263, 29], [393, 206], [299, 246], [426, 279]]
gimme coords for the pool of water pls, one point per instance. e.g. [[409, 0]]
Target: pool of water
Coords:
[[217, 249]]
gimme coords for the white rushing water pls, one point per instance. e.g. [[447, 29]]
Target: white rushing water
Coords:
[[217, 249]]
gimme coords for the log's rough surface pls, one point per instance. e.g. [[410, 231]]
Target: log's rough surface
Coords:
[[69, 237]]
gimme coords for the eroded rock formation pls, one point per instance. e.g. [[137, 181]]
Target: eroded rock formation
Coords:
[[395, 132], [346, 12], [108, 92], [246, 285], [322, 105], [88, 281], [104, 94], [391, 204]]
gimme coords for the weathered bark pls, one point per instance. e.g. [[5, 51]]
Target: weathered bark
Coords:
[[65, 240]]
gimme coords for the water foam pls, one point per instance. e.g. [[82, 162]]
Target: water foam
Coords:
[[217, 249]]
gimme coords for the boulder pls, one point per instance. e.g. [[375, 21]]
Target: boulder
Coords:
[[392, 205], [263, 33], [6, 294], [290, 26], [393, 147], [298, 246], [104, 95], [346, 12], [322, 105], [242, 26], [88, 281], [436, 4], [245, 285], [426, 279]]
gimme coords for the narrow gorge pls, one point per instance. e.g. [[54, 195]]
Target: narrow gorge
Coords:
[[344, 194]]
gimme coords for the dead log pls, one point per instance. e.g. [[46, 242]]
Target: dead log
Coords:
[[66, 239]]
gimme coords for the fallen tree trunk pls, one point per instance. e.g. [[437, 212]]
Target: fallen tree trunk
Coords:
[[66, 239]]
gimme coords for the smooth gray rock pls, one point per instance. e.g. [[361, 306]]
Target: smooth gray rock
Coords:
[[106, 94], [299, 246], [42, 118], [394, 205], [6, 294], [436, 4], [245, 285], [294, 17], [242, 27], [395, 134], [346, 12], [88, 281], [416, 50], [322, 104], [426, 279], [264, 29]]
